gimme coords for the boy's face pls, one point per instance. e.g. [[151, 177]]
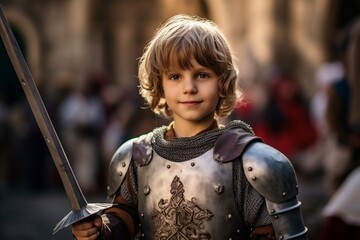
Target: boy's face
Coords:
[[192, 94]]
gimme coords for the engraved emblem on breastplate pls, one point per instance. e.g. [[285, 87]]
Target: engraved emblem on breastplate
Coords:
[[178, 218]]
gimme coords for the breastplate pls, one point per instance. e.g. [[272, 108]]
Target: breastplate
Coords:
[[187, 200]]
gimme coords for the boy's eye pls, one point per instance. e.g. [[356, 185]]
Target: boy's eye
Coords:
[[202, 75], [174, 77]]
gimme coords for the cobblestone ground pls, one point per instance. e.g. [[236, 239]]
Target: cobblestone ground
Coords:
[[30, 216]]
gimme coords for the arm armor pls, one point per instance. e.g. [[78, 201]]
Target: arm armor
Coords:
[[273, 176]]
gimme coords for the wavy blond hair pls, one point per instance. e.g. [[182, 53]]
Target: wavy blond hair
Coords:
[[175, 43]]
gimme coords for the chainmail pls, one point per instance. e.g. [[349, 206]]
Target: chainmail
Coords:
[[249, 202], [186, 148]]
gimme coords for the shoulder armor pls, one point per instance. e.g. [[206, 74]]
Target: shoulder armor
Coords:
[[119, 165], [232, 143], [142, 149], [270, 172], [138, 149], [273, 176]]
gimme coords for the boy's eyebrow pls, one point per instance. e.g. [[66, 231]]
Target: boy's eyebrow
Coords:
[[199, 69]]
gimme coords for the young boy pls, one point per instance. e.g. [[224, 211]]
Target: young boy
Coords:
[[196, 179]]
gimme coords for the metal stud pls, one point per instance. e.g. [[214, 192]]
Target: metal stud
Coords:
[[123, 164], [120, 174], [219, 189], [229, 216], [146, 190], [250, 169], [192, 164], [253, 178], [168, 166]]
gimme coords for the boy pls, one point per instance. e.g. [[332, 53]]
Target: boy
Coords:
[[195, 179]]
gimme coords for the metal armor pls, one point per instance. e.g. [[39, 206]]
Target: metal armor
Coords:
[[189, 200], [273, 176], [174, 201]]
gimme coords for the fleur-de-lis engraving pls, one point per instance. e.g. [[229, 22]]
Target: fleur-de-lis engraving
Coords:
[[179, 218]]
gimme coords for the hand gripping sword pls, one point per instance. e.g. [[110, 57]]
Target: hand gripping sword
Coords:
[[81, 209]]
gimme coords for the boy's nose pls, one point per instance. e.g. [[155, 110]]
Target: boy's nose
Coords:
[[189, 85]]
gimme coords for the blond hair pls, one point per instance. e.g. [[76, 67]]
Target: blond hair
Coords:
[[175, 43]]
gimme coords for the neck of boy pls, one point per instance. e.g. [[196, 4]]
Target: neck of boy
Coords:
[[180, 130]]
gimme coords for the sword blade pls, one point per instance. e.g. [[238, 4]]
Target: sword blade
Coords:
[[80, 208]]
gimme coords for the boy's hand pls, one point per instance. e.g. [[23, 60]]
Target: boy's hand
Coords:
[[87, 230]]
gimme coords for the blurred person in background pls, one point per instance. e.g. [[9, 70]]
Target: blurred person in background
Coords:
[[82, 118], [284, 121], [342, 212], [343, 115]]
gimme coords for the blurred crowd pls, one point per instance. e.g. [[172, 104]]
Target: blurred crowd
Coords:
[[321, 135], [92, 120]]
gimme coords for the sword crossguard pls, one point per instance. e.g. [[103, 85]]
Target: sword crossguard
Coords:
[[77, 215]]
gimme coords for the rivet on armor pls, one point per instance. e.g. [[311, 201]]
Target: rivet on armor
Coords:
[[192, 164], [272, 210], [123, 164], [108, 187], [237, 230], [230, 238], [142, 215], [281, 237], [229, 216], [253, 178], [284, 194], [276, 216], [168, 166], [120, 173], [250, 169], [146, 190], [219, 189]]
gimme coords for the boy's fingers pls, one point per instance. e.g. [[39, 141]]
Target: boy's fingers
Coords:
[[98, 222], [83, 225], [91, 233], [93, 237]]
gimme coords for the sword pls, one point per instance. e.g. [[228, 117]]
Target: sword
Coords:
[[81, 209]]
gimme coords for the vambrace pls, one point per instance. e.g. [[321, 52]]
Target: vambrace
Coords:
[[273, 176]]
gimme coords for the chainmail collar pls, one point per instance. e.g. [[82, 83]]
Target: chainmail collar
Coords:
[[186, 148]]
